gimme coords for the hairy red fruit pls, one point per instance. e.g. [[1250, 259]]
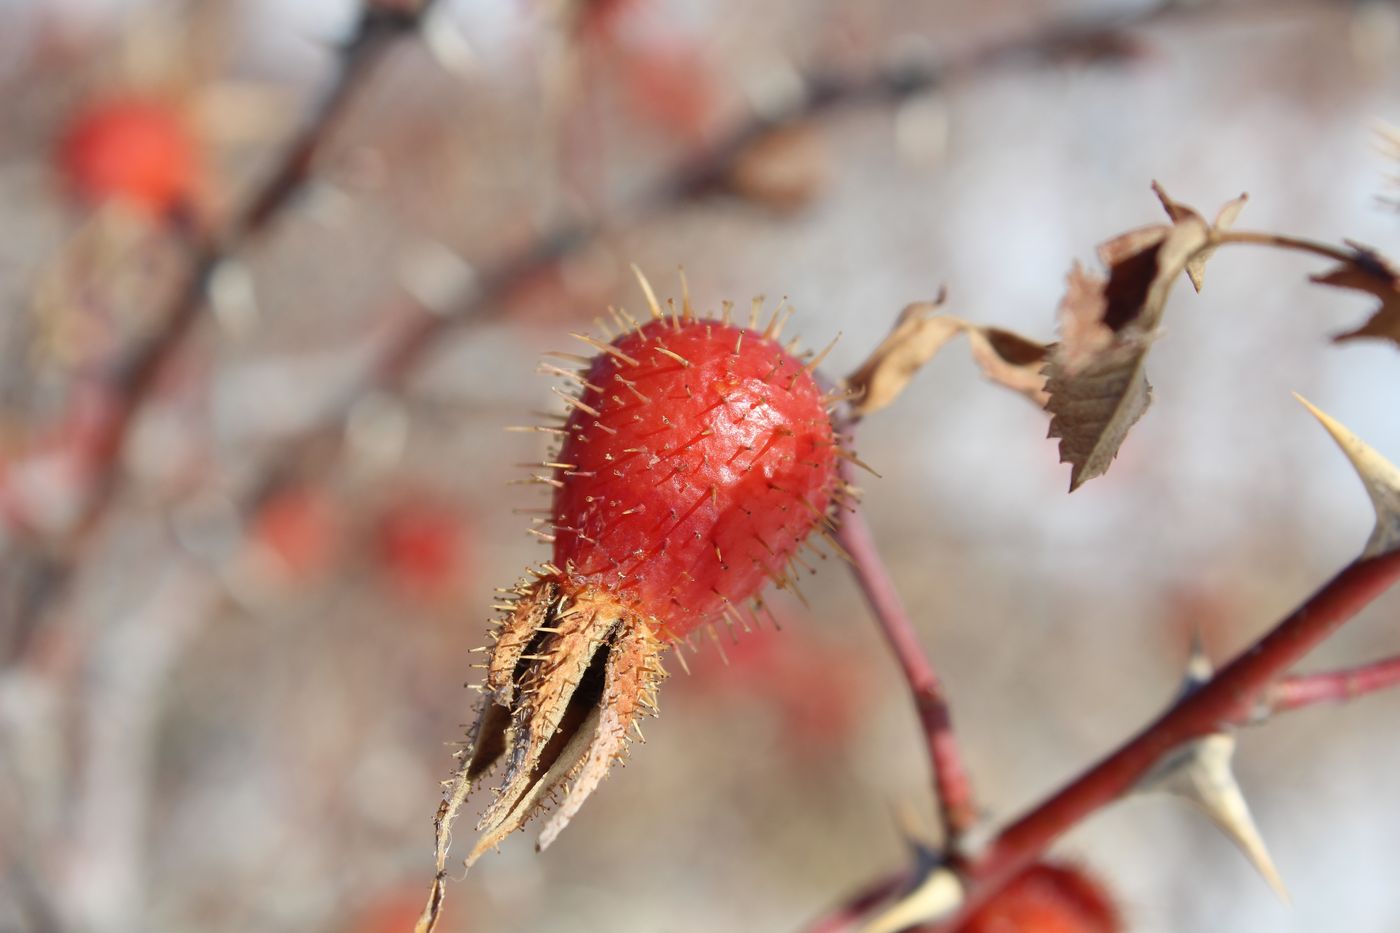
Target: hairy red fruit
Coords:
[[1048, 898], [700, 456], [693, 464], [134, 150]]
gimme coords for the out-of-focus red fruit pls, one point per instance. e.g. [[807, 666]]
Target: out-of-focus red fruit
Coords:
[[135, 150], [669, 86], [1048, 898], [297, 527], [396, 911], [420, 545], [813, 686]]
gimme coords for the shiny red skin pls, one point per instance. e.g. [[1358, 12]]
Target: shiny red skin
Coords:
[[699, 493], [134, 150], [1048, 898]]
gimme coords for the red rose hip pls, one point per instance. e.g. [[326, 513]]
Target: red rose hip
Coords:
[[695, 460]]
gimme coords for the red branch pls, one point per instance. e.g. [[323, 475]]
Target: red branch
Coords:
[[952, 789], [1229, 698], [1333, 686]]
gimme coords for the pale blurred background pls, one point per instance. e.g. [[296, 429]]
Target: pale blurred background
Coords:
[[239, 721]]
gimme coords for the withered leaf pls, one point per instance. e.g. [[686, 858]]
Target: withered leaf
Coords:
[[1097, 379], [1093, 409], [920, 332], [1369, 272]]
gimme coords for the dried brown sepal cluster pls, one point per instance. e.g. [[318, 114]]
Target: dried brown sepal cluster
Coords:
[[1368, 272], [920, 332], [1096, 376], [570, 674]]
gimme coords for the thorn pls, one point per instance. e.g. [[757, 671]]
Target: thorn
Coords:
[[652, 303], [635, 324], [569, 357], [550, 369], [816, 361], [714, 637], [536, 428], [575, 403], [607, 348], [1378, 475], [727, 313], [686, 309], [755, 307], [673, 355], [781, 315], [936, 896], [1200, 772]]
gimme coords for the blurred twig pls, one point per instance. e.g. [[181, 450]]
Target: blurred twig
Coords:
[[129, 384]]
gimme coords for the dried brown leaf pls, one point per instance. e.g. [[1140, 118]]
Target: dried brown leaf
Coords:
[[920, 332], [1096, 376], [1093, 409], [1369, 272]]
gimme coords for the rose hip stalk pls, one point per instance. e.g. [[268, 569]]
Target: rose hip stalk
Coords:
[[695, 460]]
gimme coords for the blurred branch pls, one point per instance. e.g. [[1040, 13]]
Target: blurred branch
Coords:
[[128, 386], [951, 786]]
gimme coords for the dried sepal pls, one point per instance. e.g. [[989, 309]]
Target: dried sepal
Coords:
[[1378, 475], [1224, 219], [571, 672], [920, 332], [1367, 271]]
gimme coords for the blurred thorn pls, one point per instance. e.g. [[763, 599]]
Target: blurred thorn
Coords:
[[1201, 773], [436, 277], [327, 204], [208, 527], [935, 895], [1378, 475], [775, 89], [233, 296], [447, 43], [376, 432], [1375, 33], [1199, 670], [922, 128]]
